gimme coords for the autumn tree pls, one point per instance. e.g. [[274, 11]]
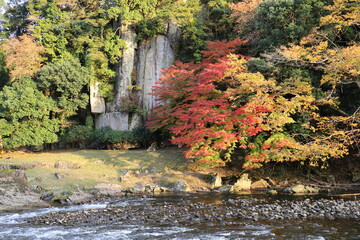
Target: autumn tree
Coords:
[[23, 56], [244, 13], [218, 107], [332, 50]]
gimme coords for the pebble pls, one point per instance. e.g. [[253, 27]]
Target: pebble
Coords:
[[188, 213]]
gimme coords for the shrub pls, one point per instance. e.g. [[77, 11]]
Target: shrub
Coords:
[[143, 135], [102, 135], [105, 136], [78, 134]]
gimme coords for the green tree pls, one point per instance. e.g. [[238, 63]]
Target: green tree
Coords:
[[220, 24], [25, 115], [66, 83], [4, 72], [15, 22], [279, 22], [86, 30]]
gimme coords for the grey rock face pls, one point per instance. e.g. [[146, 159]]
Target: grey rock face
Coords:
[[115, 120], [138, 71], [97, 103], [154, 56]]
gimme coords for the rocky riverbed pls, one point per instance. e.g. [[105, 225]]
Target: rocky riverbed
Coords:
[[185, 212], [14, 192]]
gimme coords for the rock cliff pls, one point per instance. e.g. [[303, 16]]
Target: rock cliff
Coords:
[[137, 72]]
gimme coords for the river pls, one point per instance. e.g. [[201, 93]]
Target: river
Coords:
[[16, 225]]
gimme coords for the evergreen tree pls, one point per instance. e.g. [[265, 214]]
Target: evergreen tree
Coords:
[[25, 115], [65, 82]]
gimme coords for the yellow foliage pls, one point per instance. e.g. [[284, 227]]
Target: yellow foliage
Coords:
[[293, 96], [243, 81], [344, 66], [23, 56], [343, 13], [244, 12], [340, 65], [312, 49]]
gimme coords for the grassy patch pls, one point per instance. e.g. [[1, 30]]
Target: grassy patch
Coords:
[[97, 166], [6, 171]]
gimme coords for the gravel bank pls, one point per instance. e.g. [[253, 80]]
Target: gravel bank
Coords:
[[186, 212]]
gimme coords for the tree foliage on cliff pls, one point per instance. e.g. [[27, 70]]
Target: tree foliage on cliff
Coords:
[[296, 100], [218, 106], [284, 106]]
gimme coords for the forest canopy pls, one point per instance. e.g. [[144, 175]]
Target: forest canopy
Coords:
[[255, 81]]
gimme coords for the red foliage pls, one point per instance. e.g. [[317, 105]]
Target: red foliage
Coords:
[[199, 114], [219, 49]]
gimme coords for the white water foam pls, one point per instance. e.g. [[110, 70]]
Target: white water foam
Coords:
[[61, 233], [14, 218]]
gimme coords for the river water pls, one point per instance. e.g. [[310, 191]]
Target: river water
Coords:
[[15, 226]]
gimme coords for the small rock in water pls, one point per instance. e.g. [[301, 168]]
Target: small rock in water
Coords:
[[272, 192], [331, 179], [139, 187], [301, 189], [47, 196], [311, 189]]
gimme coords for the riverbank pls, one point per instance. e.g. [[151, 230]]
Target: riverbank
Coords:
[[185, 212], [30, 179], [189, 216]]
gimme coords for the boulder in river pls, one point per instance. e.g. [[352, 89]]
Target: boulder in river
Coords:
[[355, 176], [109, 189], [331, 179], [139, 187], [216, 181], [181, 186], [272, 192], [243, 183], [260, 184], [225, 188], [79, 197], [301, 189]]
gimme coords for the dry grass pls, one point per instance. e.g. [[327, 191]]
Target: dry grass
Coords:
[[102, 166]]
